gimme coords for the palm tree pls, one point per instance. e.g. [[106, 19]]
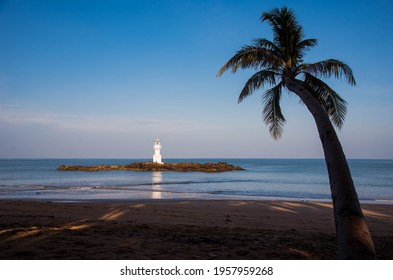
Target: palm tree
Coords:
[[279, 64]]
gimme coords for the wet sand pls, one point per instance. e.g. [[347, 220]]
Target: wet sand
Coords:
[[202, 229]]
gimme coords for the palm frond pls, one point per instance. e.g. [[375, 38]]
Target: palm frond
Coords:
[[307, 43], [256, 81], [334, 105], [250, 57], [304, 46], [284, 24], [265, 43], [287, 33], [328, 68], [272, 114]]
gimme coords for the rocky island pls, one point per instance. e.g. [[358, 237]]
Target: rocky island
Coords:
[[151, 166]]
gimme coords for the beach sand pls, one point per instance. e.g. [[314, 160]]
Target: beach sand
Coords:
[[179, 230]]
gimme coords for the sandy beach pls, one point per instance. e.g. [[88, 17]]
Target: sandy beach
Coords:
[[179, 230]]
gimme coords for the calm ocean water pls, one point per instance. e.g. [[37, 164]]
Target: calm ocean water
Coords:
[[284, 179]]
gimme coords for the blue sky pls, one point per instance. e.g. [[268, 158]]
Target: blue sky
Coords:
[[105, 78]]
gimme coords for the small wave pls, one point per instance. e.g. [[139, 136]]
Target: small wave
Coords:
[[166, 183]]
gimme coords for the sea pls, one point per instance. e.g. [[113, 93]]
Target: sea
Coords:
[[263, 179]]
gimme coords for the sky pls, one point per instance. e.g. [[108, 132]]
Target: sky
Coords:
[[104, 79]]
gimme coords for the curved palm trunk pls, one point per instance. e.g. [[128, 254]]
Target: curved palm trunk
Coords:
[[353, 237]]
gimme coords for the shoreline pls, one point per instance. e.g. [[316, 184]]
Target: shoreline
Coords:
[[179, 229], [178, 199]]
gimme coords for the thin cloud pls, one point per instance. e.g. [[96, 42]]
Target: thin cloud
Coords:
[[89, 124]]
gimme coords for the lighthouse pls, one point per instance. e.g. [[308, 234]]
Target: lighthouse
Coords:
[[157, 152]]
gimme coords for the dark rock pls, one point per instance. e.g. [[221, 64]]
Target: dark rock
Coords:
[[151, 166]]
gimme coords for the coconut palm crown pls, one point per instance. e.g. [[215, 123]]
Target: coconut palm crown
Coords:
[[279, 65], [281, 58]]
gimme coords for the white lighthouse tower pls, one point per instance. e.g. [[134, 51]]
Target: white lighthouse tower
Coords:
[[157, 152]]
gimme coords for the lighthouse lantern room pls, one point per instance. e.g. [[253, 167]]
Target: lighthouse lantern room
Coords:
[[157, 152]]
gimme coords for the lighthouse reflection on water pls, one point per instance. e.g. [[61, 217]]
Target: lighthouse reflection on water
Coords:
[[156, 187]]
